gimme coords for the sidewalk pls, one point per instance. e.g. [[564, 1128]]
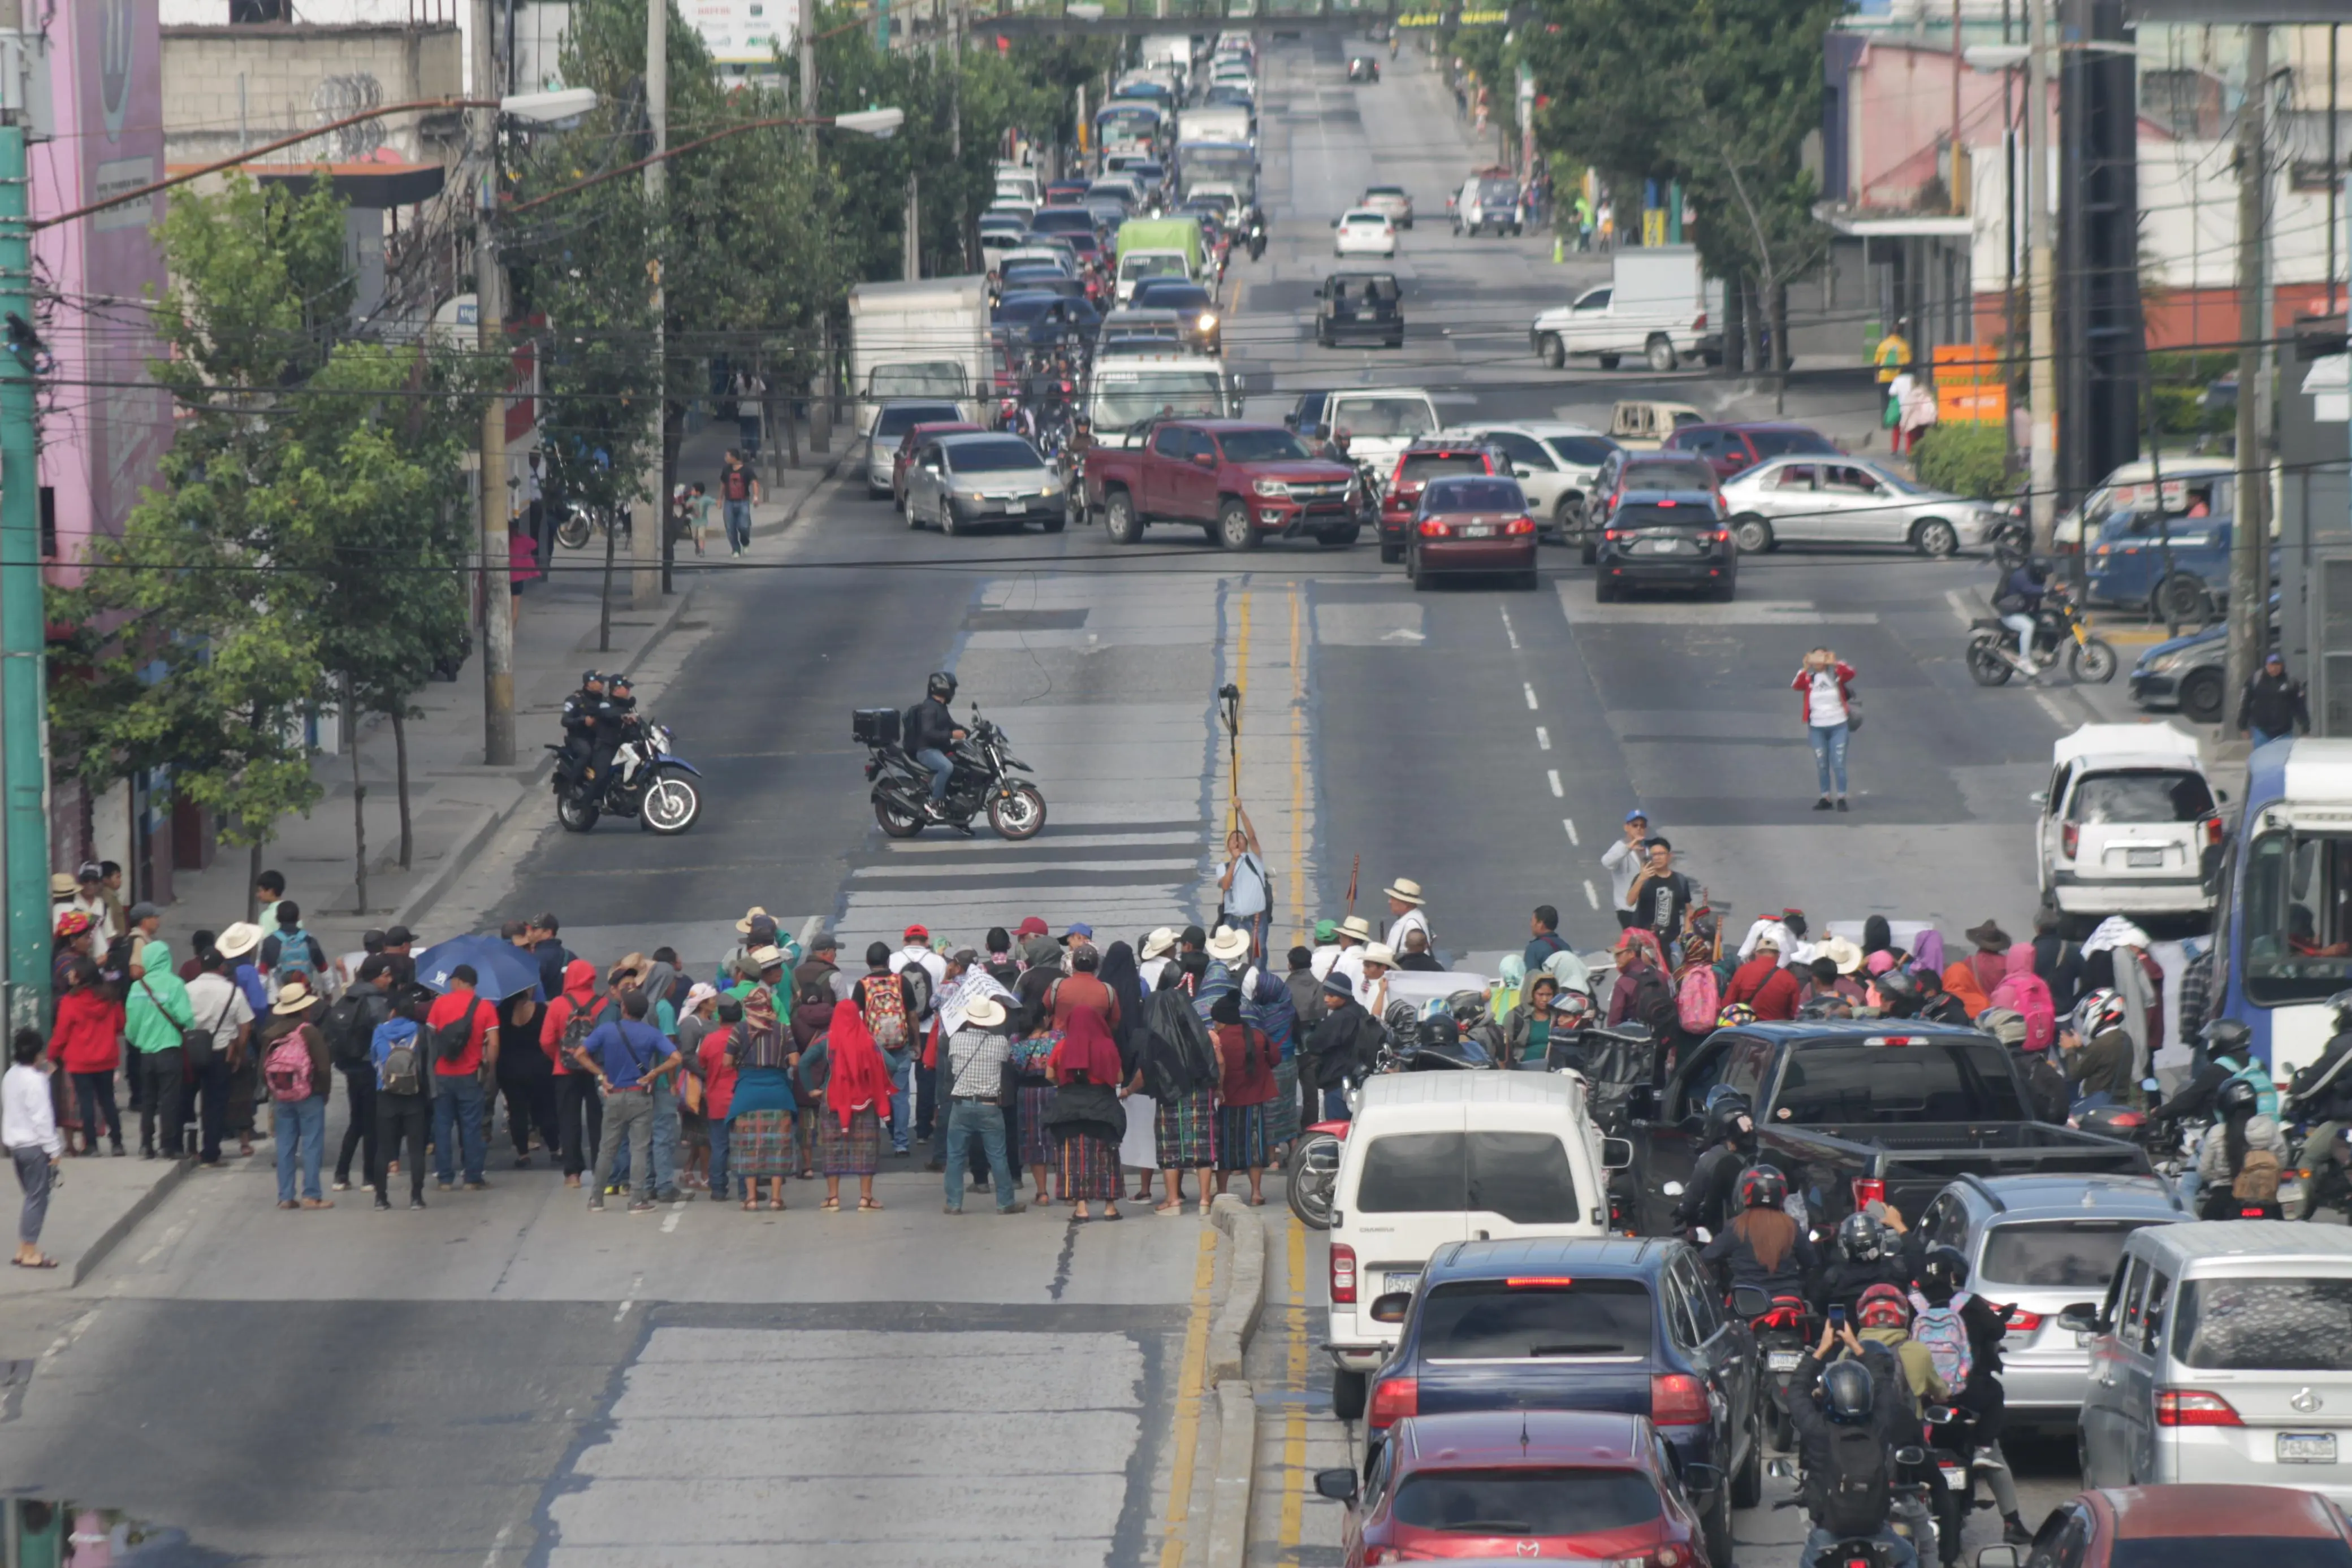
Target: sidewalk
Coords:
[[97, 1202], [456, 803]]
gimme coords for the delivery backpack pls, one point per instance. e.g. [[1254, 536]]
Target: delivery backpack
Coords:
[[1854, 1487], [1941, 1329]]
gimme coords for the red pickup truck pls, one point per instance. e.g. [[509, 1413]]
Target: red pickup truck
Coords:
[[1237, 480]]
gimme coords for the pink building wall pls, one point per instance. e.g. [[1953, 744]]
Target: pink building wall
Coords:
[[1899, 103]]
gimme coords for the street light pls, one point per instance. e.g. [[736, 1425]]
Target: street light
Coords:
[[879, 123], [561, 107]]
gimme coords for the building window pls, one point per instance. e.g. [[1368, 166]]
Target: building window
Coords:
[[243, 11], [2186, 103]]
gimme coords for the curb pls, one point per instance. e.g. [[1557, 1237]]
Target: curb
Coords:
[[829, 473], [1237, 1469], [1234, 1321], [1237, 1315], [108, 1239]]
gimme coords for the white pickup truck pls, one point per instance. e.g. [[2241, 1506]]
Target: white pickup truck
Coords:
[[1654, 308]]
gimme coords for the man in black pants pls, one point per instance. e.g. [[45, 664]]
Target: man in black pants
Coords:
[[400, 1041], [353, 1060]]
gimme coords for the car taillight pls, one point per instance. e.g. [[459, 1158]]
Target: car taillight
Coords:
[[1676, 1399], [1868, 1191], [1723, 536], [2193, 1407], [1343, 1275], [2069, 839], [1611, 534], [1521, 526], [2213, 828], [1699, 325], [1393, 1398], [1434, 528], [2024, 1322]]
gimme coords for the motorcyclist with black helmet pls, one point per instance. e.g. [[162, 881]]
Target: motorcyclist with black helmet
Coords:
[[1730, 1135], [1943, 1275], [2017, 598], [1762, 1246], [931, 732], [1868, 1254], [586, 714], [2243, 1160], [1849, 1415]]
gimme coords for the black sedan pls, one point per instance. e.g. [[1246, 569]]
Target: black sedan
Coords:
[[1361, 307], [1041, 318], [1666, 540], [1363, 68]]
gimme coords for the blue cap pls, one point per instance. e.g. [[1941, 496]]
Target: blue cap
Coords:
[[1637, 815], [1079, 929]]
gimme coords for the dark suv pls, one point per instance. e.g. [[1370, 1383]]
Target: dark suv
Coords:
[[1735, 448], [1624, 471], [1625, 1324], [1665, 539]]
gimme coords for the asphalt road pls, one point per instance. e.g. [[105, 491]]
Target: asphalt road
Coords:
[[507, 1378]]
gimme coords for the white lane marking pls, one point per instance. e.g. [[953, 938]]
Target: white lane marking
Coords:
[[669, 1220], [623, 1312], [1569, 823], [1543, 738], [1508, 629], [1960, 607], [1553, 774], [498, 1545], [1591, 898], [1528, 686], [2049, 706], [73, 1331]]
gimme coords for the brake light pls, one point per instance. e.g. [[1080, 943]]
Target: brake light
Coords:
[[1868, 1191], [1393, 1398], [1676, 1399], [1699, 325], [1611, 534], [2021, 1321], [2193, 1407], [1521, 526], [1723, 536], [1669, 503], [1431, 528], [1343, 1275], [2069, 839], [1537, 1281], [2213, 829]]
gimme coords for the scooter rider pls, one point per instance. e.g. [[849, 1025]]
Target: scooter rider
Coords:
[[1849, 1417], [1977, 1396], [932, 731], [1868, 1256], [1730, 1135], [2017, 599], [1763, 1246], [2228, 1052]]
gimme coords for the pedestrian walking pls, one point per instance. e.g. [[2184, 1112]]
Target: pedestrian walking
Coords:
[[1246, 1088], [1245, 892], [698, 515], [853, 1097], [738, 488], [762, 1135], [1894, 352], [86, 1042], [223, 1031], [156, 1018], [1624, 861], [579, 1100], [350, 1025], [461, 1032], [28, 1130], [297, 1068], [1086, 1118], [1824, 684], [977, 1054], [403, 1094], [2273, 707], [628, 1056], [1915, 408]]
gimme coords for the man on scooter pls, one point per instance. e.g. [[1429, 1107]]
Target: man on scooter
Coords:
[[1849, 1417]]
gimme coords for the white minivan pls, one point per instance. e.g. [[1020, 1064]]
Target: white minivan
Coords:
[[2126, 822], [1434, 1158]]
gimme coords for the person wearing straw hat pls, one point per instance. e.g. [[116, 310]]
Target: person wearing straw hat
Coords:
[[1409, 911], [1159, 950], [1354, 933], [222, 1012], [295, 1065], [977, 1053]]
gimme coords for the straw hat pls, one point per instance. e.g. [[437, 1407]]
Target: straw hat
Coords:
[[63, 885], [239, 940], [1381, 952], [294, 997], [1357, 927], [1404, 889], [767, 957], [1845, 954], [1229, 945], [743, 927], [1160, 942], [987, 1012]]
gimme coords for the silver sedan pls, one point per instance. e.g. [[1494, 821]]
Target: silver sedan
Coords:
[[1849, 501], [969, 481]]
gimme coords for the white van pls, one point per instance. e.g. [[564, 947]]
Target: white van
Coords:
[[2126, 822], [1380, 423], [1434, 1158]]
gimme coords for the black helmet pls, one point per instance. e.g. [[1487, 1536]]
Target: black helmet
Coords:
[[1845, 1391], [2232, 1037], [1440, 1033], [1944, 1271], [1761, 1186], [1861, 1238], [941, 686], [1728, 1114], [2237, 1096]]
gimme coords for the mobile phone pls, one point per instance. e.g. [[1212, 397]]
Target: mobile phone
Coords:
[[1837, 1317]]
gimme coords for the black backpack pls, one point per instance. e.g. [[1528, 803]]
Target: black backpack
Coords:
[[349, 1029], [1853, 1489]]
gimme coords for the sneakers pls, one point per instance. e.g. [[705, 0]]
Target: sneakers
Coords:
[[383, 1204], [595, 1206], [1822, 804], [951, 1208], [478, 1186], [1017, 1206], [1840, 805], [416, 1202], [643, 1206]]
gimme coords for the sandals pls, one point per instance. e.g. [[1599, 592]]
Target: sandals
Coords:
[[749, 1205], [830, 1205], [44, 1261], [867, 1204], [775, 1205], [1168, 1209]]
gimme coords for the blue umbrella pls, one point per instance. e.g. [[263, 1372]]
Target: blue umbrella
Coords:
[[503, 969]]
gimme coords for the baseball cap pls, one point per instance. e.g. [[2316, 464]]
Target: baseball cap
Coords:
[[1078, 929], [1033, 927], [1637, 815], [398, 934], [1327, 931], [915, 933]]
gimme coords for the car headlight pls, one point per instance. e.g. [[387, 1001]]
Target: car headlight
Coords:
[[1208, 320], [1271, 487], [2164, 664]]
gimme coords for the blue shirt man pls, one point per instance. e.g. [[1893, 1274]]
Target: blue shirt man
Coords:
[[629, 1056]]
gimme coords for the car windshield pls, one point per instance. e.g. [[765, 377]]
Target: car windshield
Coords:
[[1187, 297], [1364, 286], [1024, 306], [998, 456], [917, 377], [1420, 467], [1263, 446], [1692, 473], [2142, 795], [2197, 1552], [1523, 1176], [1386, 193], [2064, 1254], [900, 417], [1960, 1081], [1382, 416], [2275, 1325], [1124, 400], [1526, 1501], [1157, 265], [1367, 220], [1782, 443], [1496, 1320], [1580, 451], [1474, 495]]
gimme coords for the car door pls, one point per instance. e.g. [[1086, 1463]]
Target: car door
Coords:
[[1856, 507], [2049, 840], [1587, 325], [1539, 477], [1162, 465], [1199, 484], [2143, 1357], [1723, 1352], [2106, 1446], [925, 483], [1671, 1143], [1784, 495]]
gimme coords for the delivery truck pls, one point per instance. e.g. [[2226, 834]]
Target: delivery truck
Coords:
[[927, 338]]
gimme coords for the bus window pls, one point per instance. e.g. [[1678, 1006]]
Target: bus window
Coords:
[[2297, 910]]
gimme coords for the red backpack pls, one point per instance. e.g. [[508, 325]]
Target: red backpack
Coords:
[[1699, 999]]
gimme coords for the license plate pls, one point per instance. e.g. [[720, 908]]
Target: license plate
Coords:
[[2150, 859], [2306, 1447], [1390, 1284], [1661, 547], [1953, 1476], [1015, 507], [1477, 530], [1782, 1360]]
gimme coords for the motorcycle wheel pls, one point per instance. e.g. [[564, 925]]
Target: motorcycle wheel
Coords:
[[572, 532], [576, 814], [1782, 1432], [1986, 666], [1018, 814], [2091, 661], [896, 822], [671, 805], [1312, 1174]]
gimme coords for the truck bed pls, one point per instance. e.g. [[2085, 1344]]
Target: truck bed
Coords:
[[1919, 1159]]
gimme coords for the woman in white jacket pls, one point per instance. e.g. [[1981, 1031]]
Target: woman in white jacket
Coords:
[[29, 1129]]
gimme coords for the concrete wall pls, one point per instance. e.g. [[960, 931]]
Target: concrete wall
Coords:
[[229, 87]]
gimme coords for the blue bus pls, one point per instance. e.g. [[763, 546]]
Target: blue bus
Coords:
[[2282, 926]]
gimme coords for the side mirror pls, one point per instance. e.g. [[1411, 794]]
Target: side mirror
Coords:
[[1339, 1485], [1335, 223], [1910, 1454], [1616, 1154], [1997, 1557], [2150, 1085], [1701, 1478], [2039, 797], [1780, 1470], [1391, 1307], [1672, 1189], [2082, 1317], [1750, 1300], [2222, 796]]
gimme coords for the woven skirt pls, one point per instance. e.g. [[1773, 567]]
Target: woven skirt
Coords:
[[761, 1143], [1036, 1146], [1282, 1111], [1241, 1137], [855, 1150], [1185, 1131], [1089, 1166]]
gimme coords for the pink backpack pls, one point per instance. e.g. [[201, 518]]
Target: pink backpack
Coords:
[[1699, 999], [286, 1068]]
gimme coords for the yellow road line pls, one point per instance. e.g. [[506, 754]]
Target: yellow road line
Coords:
[[1297, 776], [1294, 1424], [1190, 1385]]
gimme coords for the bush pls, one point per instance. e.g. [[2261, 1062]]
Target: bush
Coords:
[[1969, 460]]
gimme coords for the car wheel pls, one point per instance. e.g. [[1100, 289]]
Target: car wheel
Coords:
[[1120, 521], [914, 519], [1413, 574], [1233, 531], [1718, 1528], [1748, 1482], [1347, 1393], [1340, 537], [1565, 526], [1725, 591], [2201, 696], [1935, 539], [1529, 580], [947, 517], [1661, 355], [1549, 349], [1606, 361], [1752, 534], [2181, 598], [1397, 342], [1591, 553], [1054, 522]]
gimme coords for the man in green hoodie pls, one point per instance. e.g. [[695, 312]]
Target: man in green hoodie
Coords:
[[155, 1015]]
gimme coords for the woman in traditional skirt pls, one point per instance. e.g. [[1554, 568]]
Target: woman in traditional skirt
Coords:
[[1034, 1102], [856, 1097], [1086, 1118], [1181, 1068], [760, 1145], [1121, 974], [1246, 1093]]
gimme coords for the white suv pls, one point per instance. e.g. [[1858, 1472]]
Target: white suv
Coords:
[[2126, 822], [1555, 463]]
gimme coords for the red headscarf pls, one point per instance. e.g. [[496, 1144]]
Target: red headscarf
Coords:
[[1087, 1047], [859, 1074]]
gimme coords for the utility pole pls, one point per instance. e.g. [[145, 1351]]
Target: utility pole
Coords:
[[2041, 336], [24, 684], [489, 321], [808, 63], [820, 411], [653, 522], [2251, 536]]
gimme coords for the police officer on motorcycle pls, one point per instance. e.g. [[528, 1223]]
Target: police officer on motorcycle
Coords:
[[1849, 1417], [931, 735], [587, 712]]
